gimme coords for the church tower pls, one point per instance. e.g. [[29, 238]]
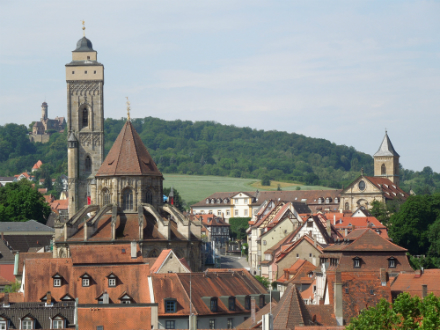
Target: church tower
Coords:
[[386, 161], [85, 116]]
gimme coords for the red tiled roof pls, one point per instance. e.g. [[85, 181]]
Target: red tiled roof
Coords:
[[390, 189], [37, 165], [59, 204], [23, 256], [324, 315], [14, 297], [365, 240], [211, 220], [114, 317], [160, 260], [309, 293], [412, 283], [296, 273], [128, 156], [104, 254], [131, 278]]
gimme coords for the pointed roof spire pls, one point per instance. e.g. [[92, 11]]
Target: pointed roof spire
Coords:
[[386, 148], [128, 156]]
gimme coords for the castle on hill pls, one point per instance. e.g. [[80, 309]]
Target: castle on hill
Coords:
[[41, 130]]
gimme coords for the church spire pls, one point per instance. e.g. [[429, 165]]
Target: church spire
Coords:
[[386, 148]]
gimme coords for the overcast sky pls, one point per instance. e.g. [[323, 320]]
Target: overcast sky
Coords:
[[339, 70]]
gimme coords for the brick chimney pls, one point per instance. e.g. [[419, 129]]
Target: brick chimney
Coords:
[[338, 299], [105, 299], [6, 300], [424, 290], [48, 298], [133, 250], [253, 310]]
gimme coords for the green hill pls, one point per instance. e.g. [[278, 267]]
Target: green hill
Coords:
[[209, 148]]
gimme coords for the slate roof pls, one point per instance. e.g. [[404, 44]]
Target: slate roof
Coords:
[[131, 279], [84, 45], [128, 156], [6, 256], [22, 243], [386, 148], [42, 314], [412, 283], [30, 225]]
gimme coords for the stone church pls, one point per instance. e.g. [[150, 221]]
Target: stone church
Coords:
[[382, 187], [42, 129], [118, 200]]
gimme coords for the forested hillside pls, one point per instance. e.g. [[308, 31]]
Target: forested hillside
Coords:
[[209, 148]]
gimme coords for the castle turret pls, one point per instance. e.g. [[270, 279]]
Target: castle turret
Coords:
[[44, 114]]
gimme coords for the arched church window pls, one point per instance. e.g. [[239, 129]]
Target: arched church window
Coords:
[[88, 164], [127, 200], [149, 197], [105, 197], [347, 206], [153, 254], [383, 169], [85, 117]]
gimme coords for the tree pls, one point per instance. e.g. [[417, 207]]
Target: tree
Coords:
[[379, 210], [405, 313], [265, 181], [19, 201], [410, 226], [264, 281], [178, 201], [238, 227]]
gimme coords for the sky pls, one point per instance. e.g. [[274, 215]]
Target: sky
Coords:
[[340, 70]]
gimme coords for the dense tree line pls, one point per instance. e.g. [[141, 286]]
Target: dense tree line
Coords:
[[209, 148]]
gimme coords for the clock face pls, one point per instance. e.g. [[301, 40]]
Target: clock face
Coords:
[[361, 185]]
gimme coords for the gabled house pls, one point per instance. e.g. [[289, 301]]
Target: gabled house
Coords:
[[216, 228], [167, 262], [300, 273], [420, 283]]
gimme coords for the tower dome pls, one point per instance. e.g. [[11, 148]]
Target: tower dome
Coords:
[[84, 45]]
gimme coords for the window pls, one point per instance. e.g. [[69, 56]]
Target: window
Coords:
[[230, 324], [264, 242], [219, 213], [320, 200], [383, 169], [3, 325], [85, 72], [170, 306], [169, 324], [228, 213], [346, 290], [309, 223], [247, 303], [56, 282], [127, 200], [361, 185], [126, 302], [246, 212], [88, 57], [231, 304], [58, 323], [27, 323], [207, 201], [371, 291], [105, 197], [327, 200], [236, 201], [310, 255], [94, 72], [88, 164], [85, 118], [211, 324], [347, 206], [85, 282], [392, 263], [213, 304], [112, 282], [261, 302], [73, 72], [357, 263], [236, 212], [336, 200], [149, 197], [297, 255], [100, 327]]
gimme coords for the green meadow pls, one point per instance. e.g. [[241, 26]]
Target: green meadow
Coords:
[[193, 188]]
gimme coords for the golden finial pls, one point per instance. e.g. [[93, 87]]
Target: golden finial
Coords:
[[84, 28], [128, 109]]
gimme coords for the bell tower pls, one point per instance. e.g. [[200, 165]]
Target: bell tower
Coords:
[[85, 116], [386, 161]]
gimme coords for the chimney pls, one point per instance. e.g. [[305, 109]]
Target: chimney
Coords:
[[383, 277], [424, 290], [48, 298], [6, 300], [85, 231], [253, 310], [193, 322], [334, 219], [105, 299], [328, 227], [133, 250], [267, 322], [113, 228], [346, 232], [338, 299]]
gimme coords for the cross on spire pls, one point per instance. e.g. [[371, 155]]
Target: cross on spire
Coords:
[[128, 109], [83, 28]]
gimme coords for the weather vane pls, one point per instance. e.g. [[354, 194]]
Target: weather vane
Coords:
[[128, 109], [84, 28]]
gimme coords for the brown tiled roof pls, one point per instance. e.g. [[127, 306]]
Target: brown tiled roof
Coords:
[[37, 165], [248, 324], [22, 257], [104, 254], [323, 315], [412, 283], [14, 297], [160, 260], [131, 278], [390, 189], [365, 240], [4, 281], [212, 220], [128, 156], [114, 318], [296, 272]]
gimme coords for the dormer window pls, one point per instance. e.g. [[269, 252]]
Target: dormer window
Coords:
[[320, 200], [336, 200], [57, 281], [207, 201], [261, 301], [85, 280], [67, 297], [28, 322], [112, 279], [170, 305], [391, 262], [247, 303], [231, 303], [213, 305], [357, 262], [125, 298], [58, 322]]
